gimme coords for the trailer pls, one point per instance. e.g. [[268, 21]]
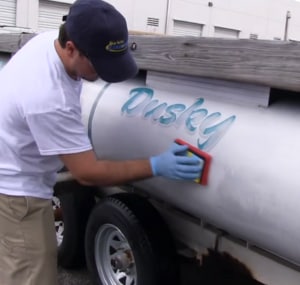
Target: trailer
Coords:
[[237, 100]]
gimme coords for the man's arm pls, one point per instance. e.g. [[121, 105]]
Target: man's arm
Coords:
[[87, 170], [172, 164]]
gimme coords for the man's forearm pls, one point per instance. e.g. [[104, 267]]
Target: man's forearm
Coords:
[[108, 173]]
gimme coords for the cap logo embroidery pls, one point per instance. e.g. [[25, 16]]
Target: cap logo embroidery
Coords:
[[116, 46]]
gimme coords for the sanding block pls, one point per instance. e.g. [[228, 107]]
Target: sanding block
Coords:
[[206, 157]]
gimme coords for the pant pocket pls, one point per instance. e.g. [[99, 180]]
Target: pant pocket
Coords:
[[19, 206]]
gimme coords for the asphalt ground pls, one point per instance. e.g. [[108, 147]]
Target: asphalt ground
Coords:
[[216, 269]]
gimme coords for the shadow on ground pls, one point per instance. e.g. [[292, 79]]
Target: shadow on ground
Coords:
[[216, 269]]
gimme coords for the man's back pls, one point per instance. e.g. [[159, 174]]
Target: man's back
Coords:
[[36, 96]]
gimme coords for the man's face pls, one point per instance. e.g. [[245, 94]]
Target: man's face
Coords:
[[85, 69], [77, 64]]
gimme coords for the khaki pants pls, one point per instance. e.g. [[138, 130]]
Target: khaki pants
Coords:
[[28, 249]]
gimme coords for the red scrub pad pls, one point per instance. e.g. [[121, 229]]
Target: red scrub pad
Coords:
[[192, 150]]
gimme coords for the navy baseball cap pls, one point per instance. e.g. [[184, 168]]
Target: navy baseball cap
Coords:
[[100, 32]]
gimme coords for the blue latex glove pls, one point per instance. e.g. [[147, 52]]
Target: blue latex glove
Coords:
[[175, 164]]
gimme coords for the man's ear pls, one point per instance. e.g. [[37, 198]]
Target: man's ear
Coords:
[[71, 49]]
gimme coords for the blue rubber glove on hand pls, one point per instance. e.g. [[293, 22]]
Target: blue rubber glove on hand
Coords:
[[175, 164]]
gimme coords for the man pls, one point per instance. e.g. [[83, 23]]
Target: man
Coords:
[[41, 130]]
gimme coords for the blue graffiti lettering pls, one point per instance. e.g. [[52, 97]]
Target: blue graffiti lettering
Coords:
[[170, 114], [154, 110], [140, 98], [210, 128], [211, 133]]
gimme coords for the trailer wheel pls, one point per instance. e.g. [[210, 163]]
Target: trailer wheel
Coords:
[[127, 243], [72, 205]]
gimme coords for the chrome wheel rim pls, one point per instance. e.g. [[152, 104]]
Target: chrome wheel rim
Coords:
[[114, 257]]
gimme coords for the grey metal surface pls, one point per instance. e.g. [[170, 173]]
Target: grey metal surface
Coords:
[[253, 190]]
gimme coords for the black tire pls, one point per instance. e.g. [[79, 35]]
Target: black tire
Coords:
[[76, 203], [127, 242]]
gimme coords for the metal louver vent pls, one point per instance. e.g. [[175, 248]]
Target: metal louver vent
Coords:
[[182, 28], [50, 14], [7, 12], [154, 22], [253, 36], [222, 32]]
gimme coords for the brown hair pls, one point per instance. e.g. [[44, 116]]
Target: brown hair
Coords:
[[63, 36]]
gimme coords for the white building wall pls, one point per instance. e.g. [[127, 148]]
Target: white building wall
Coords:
[[27, 13], [265, 19], [190, 11], [294, 25], [154, 9], [127, 8]]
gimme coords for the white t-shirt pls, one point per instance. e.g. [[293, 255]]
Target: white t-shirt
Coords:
[[40, 118]]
